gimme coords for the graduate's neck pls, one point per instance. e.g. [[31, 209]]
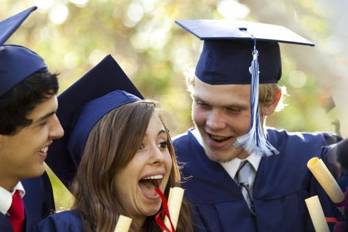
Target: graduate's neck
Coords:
[[138, 224], [8, 183]]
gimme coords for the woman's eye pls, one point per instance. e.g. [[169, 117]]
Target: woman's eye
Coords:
[[163, 145]]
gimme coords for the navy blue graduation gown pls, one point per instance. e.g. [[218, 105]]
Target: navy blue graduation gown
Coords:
[[68, 221], [281, 184], [343, 181], [38, 203]]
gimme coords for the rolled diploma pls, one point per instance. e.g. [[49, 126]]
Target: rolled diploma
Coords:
[[317, 214], [123, 224], [176, 195], [325, 179]]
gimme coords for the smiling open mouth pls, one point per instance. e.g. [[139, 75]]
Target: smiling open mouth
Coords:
[[217, 138], [149, 184]]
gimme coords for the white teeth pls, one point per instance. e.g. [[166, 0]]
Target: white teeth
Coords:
[[45, 149], [156, 177], [217, 137]]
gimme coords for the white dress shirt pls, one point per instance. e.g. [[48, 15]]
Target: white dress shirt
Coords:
[[6, 197]]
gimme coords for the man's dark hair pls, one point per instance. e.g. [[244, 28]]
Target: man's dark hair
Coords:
[[18, 102]]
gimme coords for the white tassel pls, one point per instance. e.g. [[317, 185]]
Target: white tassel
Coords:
[[255, 140]]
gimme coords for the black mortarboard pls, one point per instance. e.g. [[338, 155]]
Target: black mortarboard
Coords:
[[81, 106], [16, 62], [239, 52]]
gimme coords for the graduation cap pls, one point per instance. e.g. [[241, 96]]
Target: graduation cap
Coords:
[[240, 52], [102, 89], [16, 62]]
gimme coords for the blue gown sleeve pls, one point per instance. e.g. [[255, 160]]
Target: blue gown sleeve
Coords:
[[68, 221]]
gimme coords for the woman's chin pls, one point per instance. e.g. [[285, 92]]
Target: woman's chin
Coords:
[[152, 210]]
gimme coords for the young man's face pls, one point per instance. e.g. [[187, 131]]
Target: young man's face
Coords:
[[221, 113], [22, 155]]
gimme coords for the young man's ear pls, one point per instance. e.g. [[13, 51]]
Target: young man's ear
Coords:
[[270, 108]]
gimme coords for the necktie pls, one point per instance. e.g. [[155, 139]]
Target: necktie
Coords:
[[245, 178], [16, 212]]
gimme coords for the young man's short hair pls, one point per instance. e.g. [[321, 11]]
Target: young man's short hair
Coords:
[[18, 102]]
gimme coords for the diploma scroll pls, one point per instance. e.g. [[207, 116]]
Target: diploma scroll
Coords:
[[317, 215], [123, 224], [176, 195], [325, 179]]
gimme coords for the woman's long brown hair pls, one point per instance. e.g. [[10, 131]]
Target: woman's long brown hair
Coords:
[[111, 145]]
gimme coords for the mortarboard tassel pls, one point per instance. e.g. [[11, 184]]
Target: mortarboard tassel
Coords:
[[255, 140]]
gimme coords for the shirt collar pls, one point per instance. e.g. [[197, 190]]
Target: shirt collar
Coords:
[[197, 136], [231, 166], [6, 197]]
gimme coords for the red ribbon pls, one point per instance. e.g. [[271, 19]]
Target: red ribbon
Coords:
[[163, 213], [331, 220], [16, 212]]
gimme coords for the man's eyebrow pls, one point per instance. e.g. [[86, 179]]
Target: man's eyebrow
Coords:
[[43, 118]]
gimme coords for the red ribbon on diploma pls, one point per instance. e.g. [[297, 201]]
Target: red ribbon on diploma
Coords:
[[163, 213]]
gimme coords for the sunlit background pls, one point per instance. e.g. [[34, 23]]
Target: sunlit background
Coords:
[[74, 35]]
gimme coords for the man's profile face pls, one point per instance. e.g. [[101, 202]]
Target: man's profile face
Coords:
[[221, 114], [22, 155]]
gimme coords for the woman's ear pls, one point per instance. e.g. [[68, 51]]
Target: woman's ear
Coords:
[[268, 109]]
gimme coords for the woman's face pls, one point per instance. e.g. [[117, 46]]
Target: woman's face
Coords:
[[149, 168]]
